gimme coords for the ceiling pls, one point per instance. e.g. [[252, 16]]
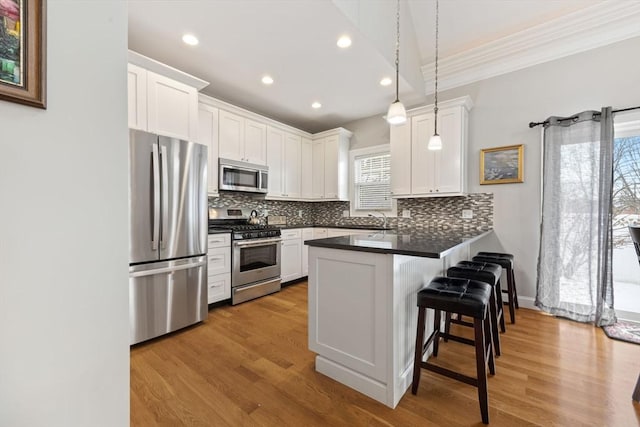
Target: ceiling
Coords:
[[294, 41]]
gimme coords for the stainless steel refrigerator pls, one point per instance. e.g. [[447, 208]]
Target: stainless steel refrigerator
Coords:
[[168, 234]]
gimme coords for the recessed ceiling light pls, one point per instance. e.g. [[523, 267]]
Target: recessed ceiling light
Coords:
[[190, 39], [386, 81], [267, 80], [344, 42], [316, 105]]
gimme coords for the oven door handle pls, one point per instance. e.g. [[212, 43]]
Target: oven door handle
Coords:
[[256, 243]]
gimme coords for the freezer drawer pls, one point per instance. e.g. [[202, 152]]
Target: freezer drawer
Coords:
[[166, 296]]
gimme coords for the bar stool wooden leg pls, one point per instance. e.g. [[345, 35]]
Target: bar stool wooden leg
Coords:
[[419, 344], [493, 314], [481, 367], [636, 391], [515, 290], [511, 303], [500, 302], [447, 326], [436, 328]]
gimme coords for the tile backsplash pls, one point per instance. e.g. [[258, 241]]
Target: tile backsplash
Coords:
[[436, 213]]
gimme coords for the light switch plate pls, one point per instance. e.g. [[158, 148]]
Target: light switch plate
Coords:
[[345, 214], [467, 214], [406, 213]]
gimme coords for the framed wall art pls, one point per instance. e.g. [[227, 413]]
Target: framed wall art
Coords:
[[23, 52], [501, 165]]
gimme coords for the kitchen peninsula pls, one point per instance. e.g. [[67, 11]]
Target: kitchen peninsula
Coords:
[[362, 304]]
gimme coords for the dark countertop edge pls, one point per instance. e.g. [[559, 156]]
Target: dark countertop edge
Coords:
[[349, 227], [321, 243], [469, 241]]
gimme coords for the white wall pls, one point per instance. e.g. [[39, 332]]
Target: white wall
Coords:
[[368, 132], [503, 108], [64, 353]]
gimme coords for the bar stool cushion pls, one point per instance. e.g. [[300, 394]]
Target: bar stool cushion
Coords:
[[464, 296], [504, 262], [496, 254], [483, 271]]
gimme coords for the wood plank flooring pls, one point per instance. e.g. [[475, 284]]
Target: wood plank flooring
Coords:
[[249, 365]]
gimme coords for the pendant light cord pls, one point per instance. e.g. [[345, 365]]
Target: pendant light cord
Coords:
[[397, 50], [435, 109]]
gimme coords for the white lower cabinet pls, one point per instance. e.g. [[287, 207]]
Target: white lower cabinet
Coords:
[[219, 287], [295, 254], [218, 267], [320, 233], [291, 255]]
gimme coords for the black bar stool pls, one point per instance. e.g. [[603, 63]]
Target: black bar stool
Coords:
[[488, 273], [469, 298], [506, 261]]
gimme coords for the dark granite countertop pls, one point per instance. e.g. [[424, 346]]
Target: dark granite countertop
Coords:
[[352, 227], [436, 244]]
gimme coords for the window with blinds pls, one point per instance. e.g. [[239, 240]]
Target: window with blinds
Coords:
[[372, 182]]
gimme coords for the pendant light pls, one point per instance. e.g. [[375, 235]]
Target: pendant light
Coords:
[[435, 142], [397, 114]]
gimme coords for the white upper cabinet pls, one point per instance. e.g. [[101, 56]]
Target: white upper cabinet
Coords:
[[330, 153], [172, 107], [208, 135], [419, 172], [242, 139], [306, 168], [317, 179], [283, 159], [302, 166], [137, 97], [291, 165], [275, 147], [161, 99]]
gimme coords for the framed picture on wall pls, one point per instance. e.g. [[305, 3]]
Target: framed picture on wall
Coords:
[[501, 165], [23, 51]]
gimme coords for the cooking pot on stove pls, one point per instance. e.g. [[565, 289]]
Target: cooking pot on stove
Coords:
[[253, 218]]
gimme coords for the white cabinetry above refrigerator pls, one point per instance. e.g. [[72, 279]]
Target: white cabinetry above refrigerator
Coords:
[[161, 99]]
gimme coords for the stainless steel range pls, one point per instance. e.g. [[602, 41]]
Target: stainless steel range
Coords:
[[255, 256]]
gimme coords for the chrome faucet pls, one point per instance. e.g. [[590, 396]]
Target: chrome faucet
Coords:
[[384, 219]]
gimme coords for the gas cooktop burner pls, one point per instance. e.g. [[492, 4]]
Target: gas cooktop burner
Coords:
[[236, 220]]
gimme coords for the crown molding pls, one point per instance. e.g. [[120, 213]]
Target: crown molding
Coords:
[[599, 25], [158, 67]]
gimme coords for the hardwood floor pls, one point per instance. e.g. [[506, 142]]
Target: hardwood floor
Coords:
[[249, 365]]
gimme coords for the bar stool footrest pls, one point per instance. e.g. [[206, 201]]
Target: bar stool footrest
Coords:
[[449, 373]]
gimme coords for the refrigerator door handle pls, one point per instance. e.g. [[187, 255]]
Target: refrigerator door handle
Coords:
[[165, 196], [168, 269], [155, 224]]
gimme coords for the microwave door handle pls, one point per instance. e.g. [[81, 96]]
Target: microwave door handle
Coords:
[[165, 197], [155, 221]]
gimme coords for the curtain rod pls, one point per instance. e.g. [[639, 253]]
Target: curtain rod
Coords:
[[534, 124]]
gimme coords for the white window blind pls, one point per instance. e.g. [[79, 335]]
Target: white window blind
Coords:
[[372, 181]]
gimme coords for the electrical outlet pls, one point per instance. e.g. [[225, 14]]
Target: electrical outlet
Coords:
[[467, 214], [345, 214], [300, 213], [406, 213]]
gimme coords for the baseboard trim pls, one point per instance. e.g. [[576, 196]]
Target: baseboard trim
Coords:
[[528, 302]]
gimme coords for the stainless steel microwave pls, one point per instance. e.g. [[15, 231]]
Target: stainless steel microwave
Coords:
[[242, 176]]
